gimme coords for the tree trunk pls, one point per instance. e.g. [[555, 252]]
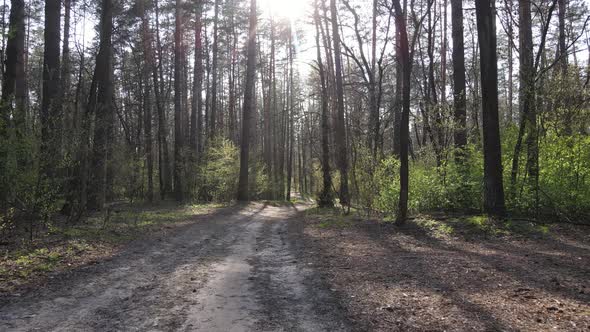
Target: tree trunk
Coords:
[[459, 90], [340, 126], [157, 76], [493, 184], [100, 103], [65, 69], [291, 118], [13, 84], [213, 120], [527, 82], [178, 137], [147, 101], [404, 57], [50, 106], [197, 105], [249, 105], [325, 198]]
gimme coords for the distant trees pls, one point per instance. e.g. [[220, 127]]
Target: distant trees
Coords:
[[150, 107]]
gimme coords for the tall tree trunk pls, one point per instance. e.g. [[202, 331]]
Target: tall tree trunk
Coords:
[[147, 118], [147, 101], [493, 184], [443, 57], [404, 57], [398, 100], [291, 118], [562, 37], [326, 198], [13, 82], [197, 105], [214, 74], [178, 138], [340, 125], [100, 102], [157, 76], [13, 86], [249, 105], [50, 106], [510, 28], [65, 69], [527, 82], [459, 90], [268, 115]]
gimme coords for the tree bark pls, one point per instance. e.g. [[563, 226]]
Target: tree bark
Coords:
[[178, 137], [340, 125], [326, 198], [249, 106], [493, 183], [459, 90], [527, 82], [404, 135], [214, 74], [197, 105], [13, 83], [100, 103], [50, 106]]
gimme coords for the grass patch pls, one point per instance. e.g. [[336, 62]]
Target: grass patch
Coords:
[[479, 225], [326, 218]]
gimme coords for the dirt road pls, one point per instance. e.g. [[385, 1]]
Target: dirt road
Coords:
[[234, 270]]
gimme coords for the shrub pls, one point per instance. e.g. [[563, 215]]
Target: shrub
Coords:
[[219, 172]]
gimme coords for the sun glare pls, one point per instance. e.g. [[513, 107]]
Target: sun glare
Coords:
[[290, 9]]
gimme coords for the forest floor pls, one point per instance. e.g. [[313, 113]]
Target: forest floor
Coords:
[[453, 273], [279, 267]]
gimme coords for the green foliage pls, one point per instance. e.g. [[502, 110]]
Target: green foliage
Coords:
[[564, 179], [260, 181], [23, 194], [478, 226], [449, 186], [219, 171], [565, 173]]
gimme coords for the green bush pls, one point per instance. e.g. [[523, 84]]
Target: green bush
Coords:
[[219, 172], [564, 178]]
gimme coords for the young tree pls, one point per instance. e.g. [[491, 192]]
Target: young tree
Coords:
[[249, 105], [493, 183]]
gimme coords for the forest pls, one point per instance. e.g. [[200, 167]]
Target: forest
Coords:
[[444, 116]]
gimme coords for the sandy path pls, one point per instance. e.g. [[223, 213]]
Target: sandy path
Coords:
[[236, 270]]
